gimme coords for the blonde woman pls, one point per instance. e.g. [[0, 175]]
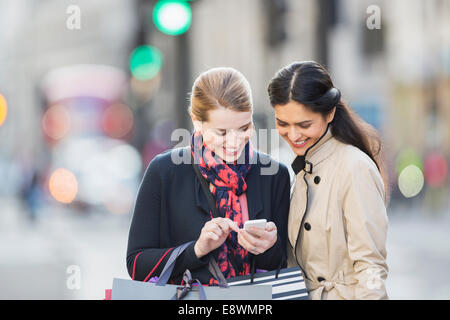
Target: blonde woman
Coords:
[[337, 222], [171, 208]]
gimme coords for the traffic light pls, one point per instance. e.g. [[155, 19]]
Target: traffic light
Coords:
[[172, 17], [145, 62]]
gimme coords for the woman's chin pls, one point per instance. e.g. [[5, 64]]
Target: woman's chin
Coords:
[[229, 157], [299, 151]]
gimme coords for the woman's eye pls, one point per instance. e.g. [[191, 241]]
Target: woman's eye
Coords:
[[222, 133], [305, 126], [282, 124], [245, 129]]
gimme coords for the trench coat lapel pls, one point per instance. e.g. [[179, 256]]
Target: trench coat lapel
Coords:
[[299, 201]]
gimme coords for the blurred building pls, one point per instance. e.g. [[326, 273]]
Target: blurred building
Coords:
[[389, 58], [62, 63], [38, 40], [78, 126], [396, 76]]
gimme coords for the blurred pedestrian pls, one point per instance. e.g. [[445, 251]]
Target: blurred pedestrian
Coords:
[[171, 208], [337, 222]]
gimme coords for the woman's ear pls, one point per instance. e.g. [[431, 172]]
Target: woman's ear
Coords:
[[330, 116], [196, 123]]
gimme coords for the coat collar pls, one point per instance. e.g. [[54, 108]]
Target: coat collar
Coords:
[[253, 193], [315, 154]]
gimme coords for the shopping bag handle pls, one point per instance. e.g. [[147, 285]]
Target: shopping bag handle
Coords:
[[187, 287], [168, 268], [188, 281], [217, 274]]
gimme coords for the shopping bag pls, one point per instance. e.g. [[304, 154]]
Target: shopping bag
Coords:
[[136, 290], [124, 289], [289, 285]]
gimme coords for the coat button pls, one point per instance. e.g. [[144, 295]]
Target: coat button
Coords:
[[320, 279], [307, 226], [317, 180]]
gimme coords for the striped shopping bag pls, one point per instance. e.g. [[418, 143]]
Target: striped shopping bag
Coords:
[[289, 285]]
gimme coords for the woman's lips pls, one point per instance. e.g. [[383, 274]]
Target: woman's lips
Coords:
[[300, 144], [233, 152]]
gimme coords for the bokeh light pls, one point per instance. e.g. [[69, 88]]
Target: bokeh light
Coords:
[[145, 89], [127, 163], [145, 62], [84, 80], [3, 109], [63, 185], [435, 169], [56, 122], [120, 200], [118, 120], [406, 157], [411, 181], [107, 170], [172, 17]]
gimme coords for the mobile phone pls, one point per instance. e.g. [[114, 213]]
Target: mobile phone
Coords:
[[258, 223]]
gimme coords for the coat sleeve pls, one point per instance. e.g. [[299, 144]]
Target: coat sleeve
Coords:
[[146, 257], [276, 256], [366, 225]]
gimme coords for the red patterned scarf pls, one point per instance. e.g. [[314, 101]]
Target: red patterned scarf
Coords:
[[228, 182]]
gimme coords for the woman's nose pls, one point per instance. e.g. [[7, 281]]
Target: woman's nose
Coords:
[[234, 139], [294, 134]]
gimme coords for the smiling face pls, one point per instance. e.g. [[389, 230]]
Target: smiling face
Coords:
[[226, 132], [300, 126]]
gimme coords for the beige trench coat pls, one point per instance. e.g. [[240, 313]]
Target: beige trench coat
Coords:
[[338, 223]]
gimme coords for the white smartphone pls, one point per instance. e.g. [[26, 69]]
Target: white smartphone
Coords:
[[258, 223]]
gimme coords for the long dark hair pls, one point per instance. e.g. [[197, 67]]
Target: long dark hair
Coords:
[[310, 84]]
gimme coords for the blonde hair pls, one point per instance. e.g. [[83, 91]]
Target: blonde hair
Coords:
[[220, 87]]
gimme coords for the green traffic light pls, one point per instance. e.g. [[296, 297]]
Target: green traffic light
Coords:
[[145, 62], [172, 17]]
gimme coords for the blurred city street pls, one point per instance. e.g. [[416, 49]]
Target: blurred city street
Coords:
[[418, 249], [92, 91], [35, 259]]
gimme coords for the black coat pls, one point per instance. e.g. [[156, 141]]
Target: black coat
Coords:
[[171, 209]]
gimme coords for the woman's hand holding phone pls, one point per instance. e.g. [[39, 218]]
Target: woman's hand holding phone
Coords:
[[254, 237], [258, 240]]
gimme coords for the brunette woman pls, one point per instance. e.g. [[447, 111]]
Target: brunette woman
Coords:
[[337, 221]]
